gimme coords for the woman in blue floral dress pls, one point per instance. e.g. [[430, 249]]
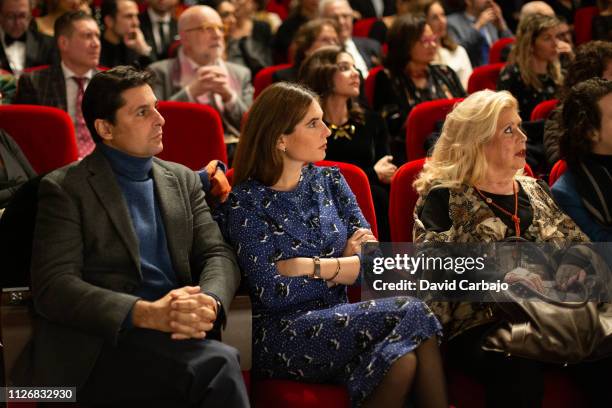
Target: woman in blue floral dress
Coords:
[[297, 231]]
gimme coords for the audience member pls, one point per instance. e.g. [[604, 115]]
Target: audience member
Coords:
[[298, 231], [247, 40], [199, 74], [121, 238], [15, 169], [365, 51], [22, 46], [471, 192], [593, 59], [565, 9], [63, 85], [477, 28], [304, 11], [159, 26], [123, 43], [55, 8], [378, 30], [309, 38], [584, 190], [261, 14], [533, 73], [602, 24], [449, 53], [536, 7], [357, 136], [410, 78]]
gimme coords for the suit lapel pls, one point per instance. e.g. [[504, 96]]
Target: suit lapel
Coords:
[[55, 89], [104, 183], [4, 62], [32, 49], [175, 217]]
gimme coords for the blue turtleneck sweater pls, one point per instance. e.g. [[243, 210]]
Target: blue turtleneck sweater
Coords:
[[135, 179]]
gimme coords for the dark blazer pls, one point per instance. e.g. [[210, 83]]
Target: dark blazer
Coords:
[[366, 9], [43, 87], [369, 50], [40, 50], [86, 263], [147, 30]]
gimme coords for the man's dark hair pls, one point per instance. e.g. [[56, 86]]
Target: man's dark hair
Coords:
[[64, 25], [110, 8], [591, 61], [103, 96], [582, 118]]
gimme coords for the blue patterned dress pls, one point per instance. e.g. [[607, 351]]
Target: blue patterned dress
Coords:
[[303, 330]]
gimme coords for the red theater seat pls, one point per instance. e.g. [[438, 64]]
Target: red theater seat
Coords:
[[583, 23], [484, 77], [495, 53], [361, 28], [263, 78], [402, 201], [557, 171], [421, 123], [543, 109], [193, 134], [45, 134], [370, 84]]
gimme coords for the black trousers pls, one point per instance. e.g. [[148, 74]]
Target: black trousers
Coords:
[[518, 382], [148, 368]]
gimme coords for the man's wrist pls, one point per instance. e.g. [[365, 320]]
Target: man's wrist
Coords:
[[141, 314]]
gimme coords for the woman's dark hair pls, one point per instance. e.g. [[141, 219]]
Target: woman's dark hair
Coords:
[[591, 61], [422, 7], [275, 112], [102, 98], [317, 73], [402, 36], [582, 119], [307, 35]]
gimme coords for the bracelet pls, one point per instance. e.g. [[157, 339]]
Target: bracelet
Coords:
[[316, 274], [337, 270]]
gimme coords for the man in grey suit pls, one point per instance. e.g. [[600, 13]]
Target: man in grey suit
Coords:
[[121, 238], [199, 74], [477, 28]]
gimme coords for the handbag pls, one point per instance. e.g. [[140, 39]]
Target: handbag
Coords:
[[541, 327]]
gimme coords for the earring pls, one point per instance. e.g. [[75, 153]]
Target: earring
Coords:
[[285, 149]]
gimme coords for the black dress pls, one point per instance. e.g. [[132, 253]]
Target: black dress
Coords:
[[527, 96], [396, 95], [363, 143]]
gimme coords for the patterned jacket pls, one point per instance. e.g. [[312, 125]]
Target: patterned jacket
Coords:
[[474, 221]]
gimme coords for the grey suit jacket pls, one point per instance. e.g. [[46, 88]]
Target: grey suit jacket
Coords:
[[86, 264], [168, 88], [461, 30]]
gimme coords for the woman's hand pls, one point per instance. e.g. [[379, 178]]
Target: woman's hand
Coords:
[[568, 274], [353, 245], [385, 169], [533, 280]]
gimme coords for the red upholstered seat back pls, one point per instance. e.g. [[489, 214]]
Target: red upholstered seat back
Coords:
[[422, 121], [543, 109], [557, 171], [264, 77], [496, 49], [193, 134], [583, 22], [402, 201], [370, 83], [45, 134], [361, 28], [484, 77]]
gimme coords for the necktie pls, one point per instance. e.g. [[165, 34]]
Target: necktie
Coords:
[[85, 143], [163, 37]]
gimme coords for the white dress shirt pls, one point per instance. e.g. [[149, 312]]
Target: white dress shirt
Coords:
[[360, 63], [72, 89]]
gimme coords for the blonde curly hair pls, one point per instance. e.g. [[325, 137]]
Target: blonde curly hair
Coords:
[[458, 156]]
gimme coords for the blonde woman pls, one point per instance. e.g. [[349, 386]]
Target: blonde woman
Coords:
[[533, 74], [472, 190]]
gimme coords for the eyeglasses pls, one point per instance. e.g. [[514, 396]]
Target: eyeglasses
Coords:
[[207, 28], [429, 40]]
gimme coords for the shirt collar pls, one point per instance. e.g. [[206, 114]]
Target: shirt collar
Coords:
[[155, 18], [192, 64], [69, 74]]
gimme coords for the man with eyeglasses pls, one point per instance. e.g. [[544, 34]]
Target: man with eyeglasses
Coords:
[[199, 74], [365, 51], [21, 45], [123, 43]]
